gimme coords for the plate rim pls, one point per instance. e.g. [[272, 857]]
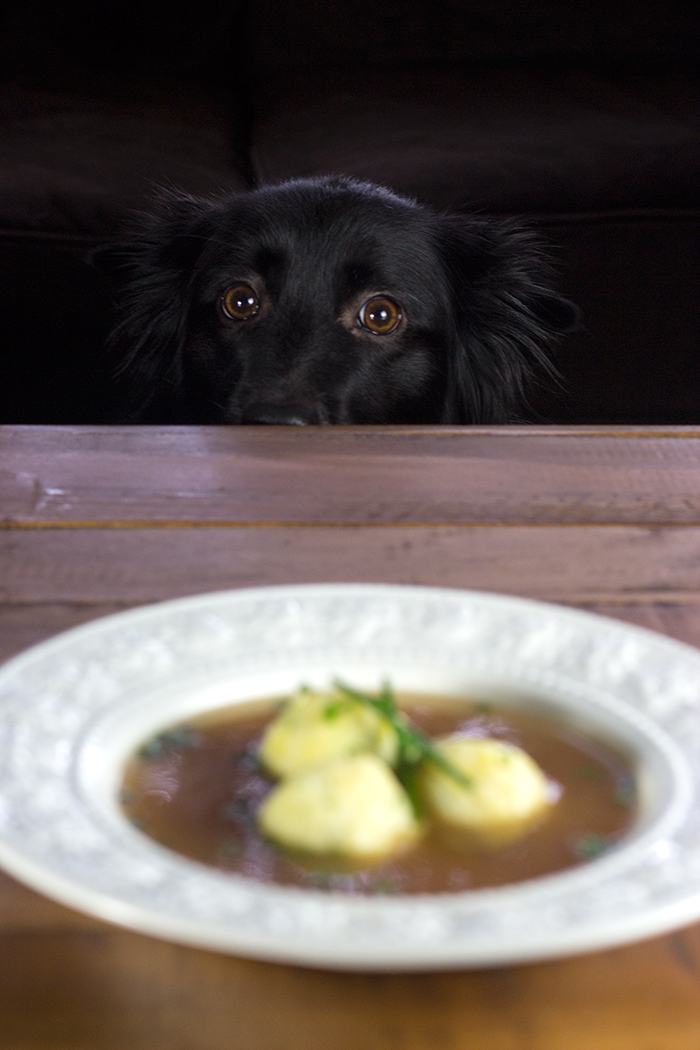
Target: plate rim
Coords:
[[105, 907]]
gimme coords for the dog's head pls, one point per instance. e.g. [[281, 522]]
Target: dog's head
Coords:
[[329, 301]]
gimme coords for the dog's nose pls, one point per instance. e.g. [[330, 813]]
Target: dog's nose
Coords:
[[272, 413]]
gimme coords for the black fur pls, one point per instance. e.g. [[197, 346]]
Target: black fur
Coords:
[[477, 310]]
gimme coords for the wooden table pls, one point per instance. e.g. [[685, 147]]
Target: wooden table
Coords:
[[99, 519]]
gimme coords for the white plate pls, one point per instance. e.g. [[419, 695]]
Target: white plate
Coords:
[[73, 708]]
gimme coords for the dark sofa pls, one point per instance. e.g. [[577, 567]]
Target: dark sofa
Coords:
[[583, 116]]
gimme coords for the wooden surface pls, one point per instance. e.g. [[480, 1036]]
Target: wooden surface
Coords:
[[93, 520]]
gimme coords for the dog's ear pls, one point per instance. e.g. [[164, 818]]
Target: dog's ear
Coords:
[[505, 316], [150, 280]]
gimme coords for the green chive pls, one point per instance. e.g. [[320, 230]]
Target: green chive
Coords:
[[414, 746], [591, 773], [624, 793], [587, 847], [385, 886], [182, 738]]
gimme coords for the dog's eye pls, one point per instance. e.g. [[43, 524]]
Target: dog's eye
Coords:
[[380, 316], [240, 303]]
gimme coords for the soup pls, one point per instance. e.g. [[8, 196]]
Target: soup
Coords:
[[196, 788]]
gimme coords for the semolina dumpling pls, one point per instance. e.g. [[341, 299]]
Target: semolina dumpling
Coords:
[[316, 727], [353, 807], [507, 790]]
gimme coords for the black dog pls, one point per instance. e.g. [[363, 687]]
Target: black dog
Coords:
[[328, 301]]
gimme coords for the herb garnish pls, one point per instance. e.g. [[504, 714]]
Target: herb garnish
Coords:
[[624, 793], [229, 847], [591, 772], [588, 847], [414, 746], [182, 738], [384, 886]]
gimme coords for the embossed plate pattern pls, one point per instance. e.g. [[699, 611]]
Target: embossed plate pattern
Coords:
[[72, 708]]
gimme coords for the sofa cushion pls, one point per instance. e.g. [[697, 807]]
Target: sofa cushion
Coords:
[[503, 140], [287, 34], [74, 164], [636, 279]]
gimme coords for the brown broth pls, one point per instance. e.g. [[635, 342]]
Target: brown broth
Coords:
[[196, 789]]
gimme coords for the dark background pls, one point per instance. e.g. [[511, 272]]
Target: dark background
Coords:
[[582, 116]]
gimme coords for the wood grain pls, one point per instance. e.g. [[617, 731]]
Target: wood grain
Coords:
[[349, 474], [86, 989], [567, 563], [101, 519]]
